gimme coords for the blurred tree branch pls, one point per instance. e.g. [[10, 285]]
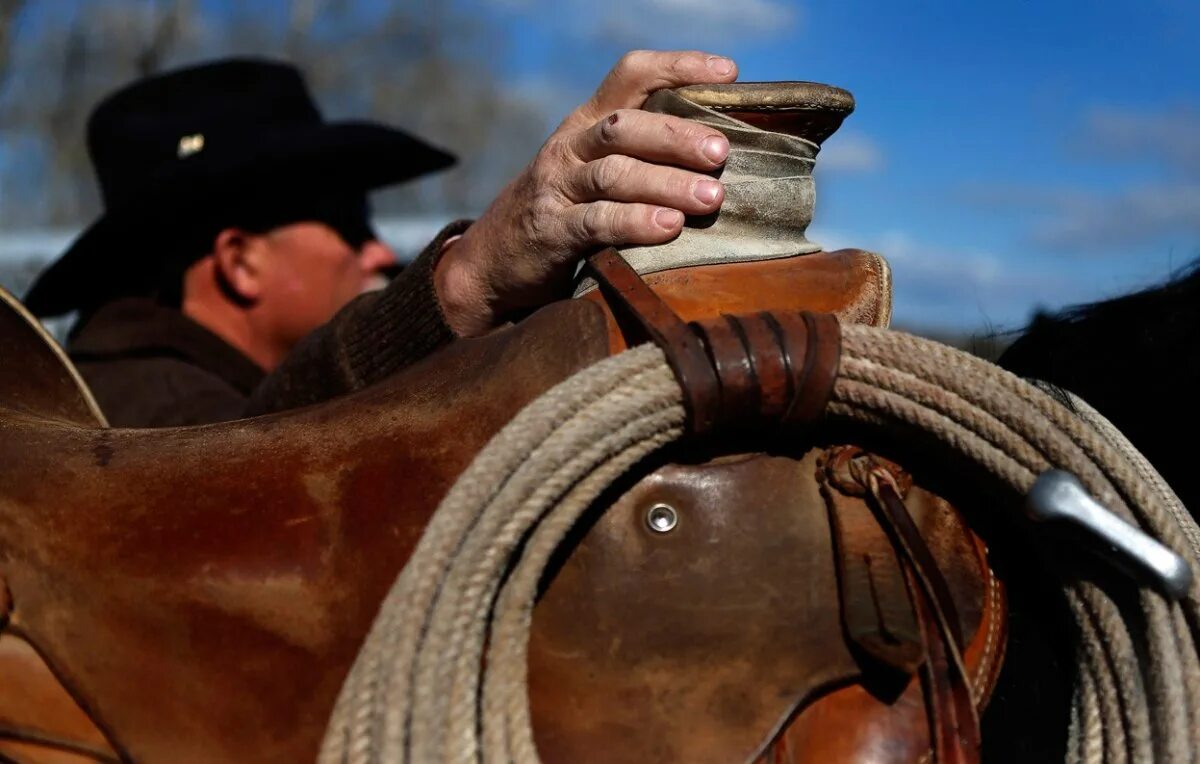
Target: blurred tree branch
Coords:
[[9, 10], [165, 33], [422, 65]]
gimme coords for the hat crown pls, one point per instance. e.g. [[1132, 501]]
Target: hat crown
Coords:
[[140, 131], [212, 145]]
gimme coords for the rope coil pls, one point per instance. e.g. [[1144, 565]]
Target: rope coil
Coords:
[[421, 690]]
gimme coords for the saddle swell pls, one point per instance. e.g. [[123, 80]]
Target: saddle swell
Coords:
[[852, 284]]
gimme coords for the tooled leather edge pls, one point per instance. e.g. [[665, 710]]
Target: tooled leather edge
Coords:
[[883, 312], [10, 732]]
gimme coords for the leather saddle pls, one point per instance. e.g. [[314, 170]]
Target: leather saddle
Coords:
[[198, 594]]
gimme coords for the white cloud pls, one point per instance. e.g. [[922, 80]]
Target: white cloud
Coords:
[[1170, 137], [1161, 211], [1088, 223], [1162, 214], [851, 152], [963, 288]]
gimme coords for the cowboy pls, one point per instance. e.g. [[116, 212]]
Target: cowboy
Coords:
[[227, 276]]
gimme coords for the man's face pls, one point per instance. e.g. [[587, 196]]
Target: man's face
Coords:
[[309, 273]]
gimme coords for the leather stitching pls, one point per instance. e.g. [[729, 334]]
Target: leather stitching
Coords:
[[989, 649], [823, 107], [989, 646]]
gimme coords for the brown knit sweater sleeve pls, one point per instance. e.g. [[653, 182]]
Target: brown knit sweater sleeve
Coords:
[[374, 336]]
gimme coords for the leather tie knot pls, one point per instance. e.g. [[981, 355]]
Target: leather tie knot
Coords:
[[855, 472]]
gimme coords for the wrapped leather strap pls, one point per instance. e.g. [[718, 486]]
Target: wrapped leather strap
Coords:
[[745, 371]]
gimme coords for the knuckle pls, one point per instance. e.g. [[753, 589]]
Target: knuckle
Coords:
[[537, 225], [697, 132], [541, 165], [632, 224], [684, 137], [550, 162], [610, 129], [682, 130], [682, 184], [678, 132], [596, 222], [631, 62], [546, 204], [687, 64], [553, 152], [609, 173]]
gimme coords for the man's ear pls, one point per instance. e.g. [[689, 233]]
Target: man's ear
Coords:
[[239, 259]]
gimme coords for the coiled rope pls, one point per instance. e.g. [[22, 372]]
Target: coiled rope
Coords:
[[442, 674]]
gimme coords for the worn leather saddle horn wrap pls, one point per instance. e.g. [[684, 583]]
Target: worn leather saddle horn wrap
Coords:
[[763, 590]]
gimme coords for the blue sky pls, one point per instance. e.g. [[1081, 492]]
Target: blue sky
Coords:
[[1004, 156]]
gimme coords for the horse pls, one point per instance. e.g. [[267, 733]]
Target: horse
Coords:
[[1154, 332]]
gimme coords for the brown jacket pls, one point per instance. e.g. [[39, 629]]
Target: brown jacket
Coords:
[[151, 366]]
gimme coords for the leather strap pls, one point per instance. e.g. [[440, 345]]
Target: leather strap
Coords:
[[53, 745], [953, 720], [953, 726], [625, 289], [5, 603], [876, 609], [909, 539]]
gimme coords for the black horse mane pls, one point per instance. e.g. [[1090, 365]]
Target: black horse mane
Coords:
[[1135, 358]]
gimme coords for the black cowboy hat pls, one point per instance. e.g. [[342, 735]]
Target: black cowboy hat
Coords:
[[172, 148]]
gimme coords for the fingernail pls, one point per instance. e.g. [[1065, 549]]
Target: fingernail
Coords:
[[706, 191], [668, 218], [719, 64], [715, 148]]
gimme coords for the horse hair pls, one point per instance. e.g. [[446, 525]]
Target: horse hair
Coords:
[[1136, 359]]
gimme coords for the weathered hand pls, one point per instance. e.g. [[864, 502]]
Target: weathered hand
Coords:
[[609, 175]]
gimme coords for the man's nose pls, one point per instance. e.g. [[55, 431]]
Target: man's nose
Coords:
[[376, 257]]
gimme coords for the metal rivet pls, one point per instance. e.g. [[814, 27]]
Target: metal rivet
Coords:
[[662, 518], [190, 144]]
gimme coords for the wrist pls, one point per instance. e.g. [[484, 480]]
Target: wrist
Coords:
[[461, 289]]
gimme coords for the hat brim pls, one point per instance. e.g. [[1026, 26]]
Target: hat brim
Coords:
[[325, 158]]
